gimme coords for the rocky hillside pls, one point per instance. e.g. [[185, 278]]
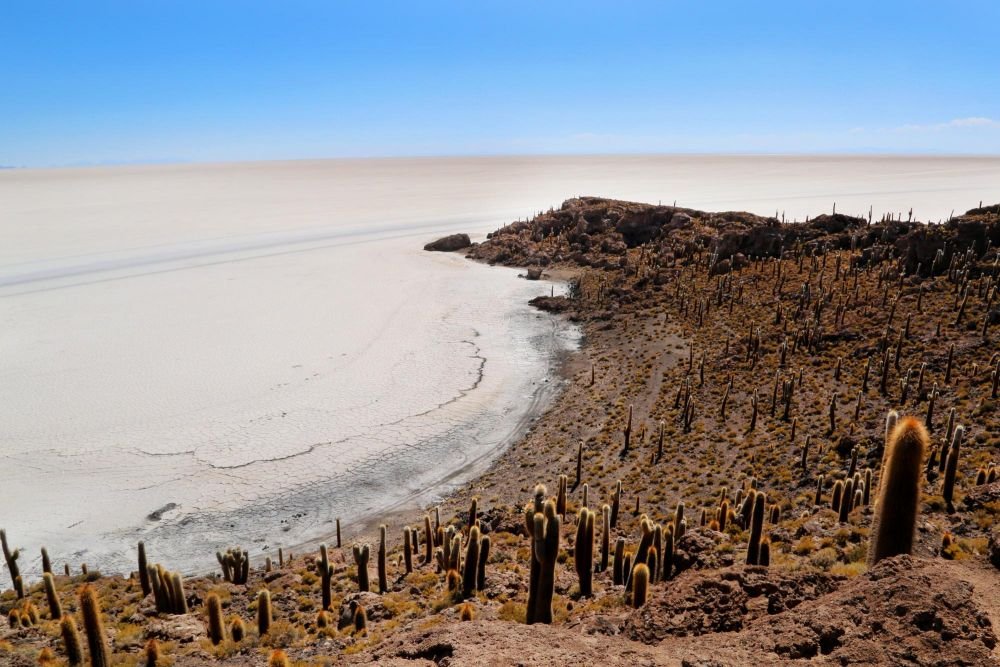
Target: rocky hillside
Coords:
[[713, 474]]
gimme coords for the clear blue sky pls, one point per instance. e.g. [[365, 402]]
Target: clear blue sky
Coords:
[[135, 80]]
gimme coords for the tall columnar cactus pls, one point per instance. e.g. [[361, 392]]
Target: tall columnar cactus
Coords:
[[473, 512], [899, 492], [177, 593], [948, 486], [561, 497], [383, 579], [756, 528], [846, 500], [605, 538], [46, 563], [545, 549], [579, 464], [361, 556], [143, 573], [11, 558], [264, 616], [837, 497], [627, 432], [642, 551], [616, 501], [325, 576], [583, 552], [408, 549], [216, 626], [471, 570], [667, 556], [428, 540], [71, 641], [535, 568], [55, 608], [94, 627], [484, 557]]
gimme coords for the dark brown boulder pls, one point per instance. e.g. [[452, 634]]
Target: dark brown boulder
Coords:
[[450, 243]]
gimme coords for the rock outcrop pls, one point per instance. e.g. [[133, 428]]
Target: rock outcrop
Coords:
[[449, 243]]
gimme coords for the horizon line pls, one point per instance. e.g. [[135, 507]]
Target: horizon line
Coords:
[[168, 162]]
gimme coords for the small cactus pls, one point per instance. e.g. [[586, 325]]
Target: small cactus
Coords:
[[360, 621], [278, 659], [216, 627], [152, 651], [237, 629], [55, 608], [11, 558], [361, 556], [640, 585], [264, 614], [951, 468]]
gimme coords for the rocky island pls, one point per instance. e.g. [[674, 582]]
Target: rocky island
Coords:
[[778, 444]]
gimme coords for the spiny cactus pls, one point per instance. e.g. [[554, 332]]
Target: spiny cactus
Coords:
[[561, 497], [326, 576], [360, 621], [951, 469], [545, 549], [470, 572], [642, 551], [837, 497], [168, 590], [846, 500], [143, 573], [278, 659], [361, 556], [11, 558], [473, 512], [235, 565], [616, 501], [237, 629], [94, 628], [764, 557], [899, 492], [605, 538], [465, 612], [71, 641], [408, 549], [46, 563], [383, 579], [627, 432], [484, 557], [216, 627], [152, 651], [264, 616], [428, 540], [640, 585], [55, 608], [583, 552], [756, 528]]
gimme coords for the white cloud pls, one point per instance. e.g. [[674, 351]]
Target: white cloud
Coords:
[[972, 121]]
